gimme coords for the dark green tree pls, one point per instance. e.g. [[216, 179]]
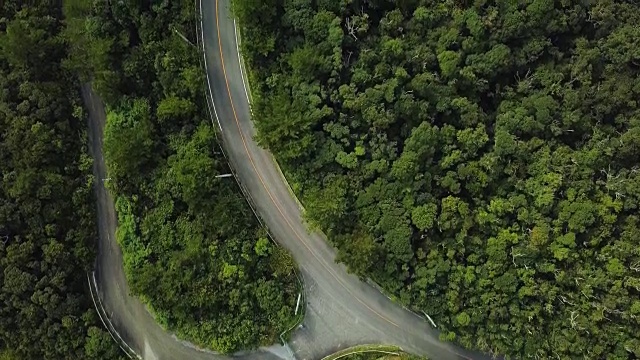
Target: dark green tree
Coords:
[[477, 159]]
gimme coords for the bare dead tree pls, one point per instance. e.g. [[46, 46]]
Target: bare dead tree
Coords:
[[564, 300], [587, 296], [620, 138], [616, 311], [573, 319], [346, 63], [602, 312], [515, 255], [351, 28]]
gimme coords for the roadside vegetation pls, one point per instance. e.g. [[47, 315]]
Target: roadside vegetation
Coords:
[[379, 356], [47, 220], [193, 250], [372, 352], [477, 159]]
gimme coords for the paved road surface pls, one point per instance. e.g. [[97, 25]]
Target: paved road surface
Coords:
[[342, 310], [136, 326]]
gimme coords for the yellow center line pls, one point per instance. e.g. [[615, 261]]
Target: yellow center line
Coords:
[[269, 192]]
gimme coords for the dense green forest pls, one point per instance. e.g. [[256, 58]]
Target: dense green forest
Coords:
[[47, 220], [478, 159], [193, 250]]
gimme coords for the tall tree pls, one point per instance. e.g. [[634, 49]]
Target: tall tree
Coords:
[[47, 222], [485, 152]]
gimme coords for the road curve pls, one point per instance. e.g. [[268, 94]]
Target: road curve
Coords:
[[341, 309], [129, 316]]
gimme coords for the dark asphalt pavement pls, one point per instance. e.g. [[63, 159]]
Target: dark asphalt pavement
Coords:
[[134, 323], [341, 310]]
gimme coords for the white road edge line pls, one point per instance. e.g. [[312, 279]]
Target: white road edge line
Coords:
[[251, 110], [204, 55], [246, 93], [109, 327]]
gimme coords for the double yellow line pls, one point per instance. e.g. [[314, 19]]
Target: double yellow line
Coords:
[[277, 205], [286, 219]]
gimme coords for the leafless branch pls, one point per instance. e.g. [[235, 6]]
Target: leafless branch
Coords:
[[351, 28], [564, 300], [514, 255], [573, 319], [587, 296], [346, 63]]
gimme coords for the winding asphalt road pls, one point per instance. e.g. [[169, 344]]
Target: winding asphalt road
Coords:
[[341, 310], [134, 323]]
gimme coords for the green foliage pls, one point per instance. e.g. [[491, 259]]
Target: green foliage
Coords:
[[87, 54], [47, 222], [129, 142], [193, 250], [8, 355], [175, 108], [372, 352], [378, 356], [486, 153]]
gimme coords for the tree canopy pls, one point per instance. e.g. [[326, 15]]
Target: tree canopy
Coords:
[[478, 159], [193, 250], [47, 220]]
